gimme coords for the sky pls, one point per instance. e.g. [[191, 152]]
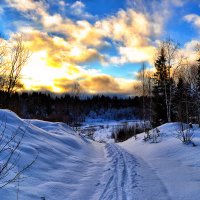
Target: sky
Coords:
[[101, 44]]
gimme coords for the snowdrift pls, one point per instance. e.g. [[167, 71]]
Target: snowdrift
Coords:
[[64, 158], [177, 165]]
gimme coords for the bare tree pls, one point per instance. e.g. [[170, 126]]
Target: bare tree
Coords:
[[76, 90], [173, 63], [197, 76], [13, 57], [190, 73], [144, 89], [185, 133], [10, 142], [3, 53], [149, 86]]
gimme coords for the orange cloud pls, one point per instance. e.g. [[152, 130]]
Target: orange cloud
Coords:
[[58, 59], [59, 51], [100, 83]]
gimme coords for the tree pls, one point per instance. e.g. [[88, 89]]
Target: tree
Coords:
[[144, 89], [10, 141], [161, 83], [13, 58], [166, 65], [190, 74], [181, 100], [198, 82], [171, 55], [76, 113]]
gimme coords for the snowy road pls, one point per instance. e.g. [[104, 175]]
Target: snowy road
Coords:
[[120, 176], [129, 178]]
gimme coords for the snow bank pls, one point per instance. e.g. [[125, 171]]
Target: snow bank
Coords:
[[65, 161], [176, 164]]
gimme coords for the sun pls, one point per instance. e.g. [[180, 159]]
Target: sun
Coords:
[[76, 51]]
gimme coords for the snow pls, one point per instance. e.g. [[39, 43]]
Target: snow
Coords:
[[176, 165], [102, 131], [72, 167], [127, 178], [66, 164]]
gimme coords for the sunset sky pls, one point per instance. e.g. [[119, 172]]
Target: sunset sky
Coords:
[[99, 43]]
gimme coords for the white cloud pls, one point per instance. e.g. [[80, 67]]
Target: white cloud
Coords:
[[62, 3], [1, 11], [178, 3], [78, 9], [78, 5], [132, 31], [193, 18], [188, 51], [23, 5]]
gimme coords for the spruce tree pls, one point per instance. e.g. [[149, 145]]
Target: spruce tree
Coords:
[[161, 83], [180, 98], [198, 77], [198, 91]]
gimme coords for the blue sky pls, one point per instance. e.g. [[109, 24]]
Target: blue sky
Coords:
[[100, 43]]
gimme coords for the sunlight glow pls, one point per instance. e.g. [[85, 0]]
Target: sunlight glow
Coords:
[[76, 51]]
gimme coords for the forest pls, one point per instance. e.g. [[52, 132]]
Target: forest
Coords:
[[171, 92], [72, 109]]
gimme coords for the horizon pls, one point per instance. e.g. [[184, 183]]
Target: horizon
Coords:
[[81, 95], [99, 44]]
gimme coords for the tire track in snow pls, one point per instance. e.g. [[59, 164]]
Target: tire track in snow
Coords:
[[121, 180], [119, 185]]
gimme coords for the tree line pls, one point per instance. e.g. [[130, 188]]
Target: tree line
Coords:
[[72, 109]]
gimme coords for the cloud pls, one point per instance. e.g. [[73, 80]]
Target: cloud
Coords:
[[1, 11], [194, 19], [42, 72], [37, 75], [60, 46], [83, 32], [127, 27], [134, 54], [189, 50], [62, 3], [178, 3], [23, 5], [58, 50], [99, 83], [132, 31], [51, 20], [78, 9]]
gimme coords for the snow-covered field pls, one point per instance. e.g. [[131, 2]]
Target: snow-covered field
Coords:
[[102, 131], [71, 167]]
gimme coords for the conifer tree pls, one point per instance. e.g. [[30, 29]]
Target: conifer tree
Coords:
[[180, 100], [161, 81], [198, 90]]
